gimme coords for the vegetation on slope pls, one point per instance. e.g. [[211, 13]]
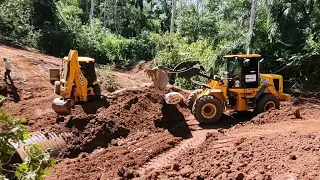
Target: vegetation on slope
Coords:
[[124, 32]]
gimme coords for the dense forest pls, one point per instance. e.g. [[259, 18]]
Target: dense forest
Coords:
[[123, 32]]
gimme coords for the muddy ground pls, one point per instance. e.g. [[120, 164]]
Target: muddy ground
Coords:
[[133, 134]]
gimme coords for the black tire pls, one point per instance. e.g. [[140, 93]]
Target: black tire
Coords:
[[97, 90], [192, 97], [266, 102], [208, 110], [57, 86]]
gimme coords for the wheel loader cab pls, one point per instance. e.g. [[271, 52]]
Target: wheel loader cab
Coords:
[[243, 70], [246, 86]]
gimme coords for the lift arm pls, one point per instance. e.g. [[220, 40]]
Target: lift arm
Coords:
[[160, 75], [72, 75], [187, 70]]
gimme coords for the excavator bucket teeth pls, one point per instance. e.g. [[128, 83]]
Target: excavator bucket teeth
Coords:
[[61, 106], [159, 77]]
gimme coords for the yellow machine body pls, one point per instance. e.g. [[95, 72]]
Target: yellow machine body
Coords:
[[77, 81], [241, 87], [220, 91]]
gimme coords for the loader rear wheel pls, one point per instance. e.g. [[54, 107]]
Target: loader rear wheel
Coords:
[[266, 102], [192, 97], [208, 110]]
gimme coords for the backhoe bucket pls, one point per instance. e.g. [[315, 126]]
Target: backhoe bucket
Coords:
[[54, 74], [159, 77], [61, 106]]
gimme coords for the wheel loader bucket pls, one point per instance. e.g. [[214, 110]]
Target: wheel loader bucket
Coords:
[[159, 77], [61, 106], [54, 74]]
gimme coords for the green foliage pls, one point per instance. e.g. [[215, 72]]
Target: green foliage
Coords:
[[10, 130], [124, 32], [140, 48], [181, 50], [36, 164], [196, 25], [16, 22], [99, 43], [2, 98], [37, 161]]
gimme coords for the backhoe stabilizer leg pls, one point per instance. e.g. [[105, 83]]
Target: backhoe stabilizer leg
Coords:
[[61, 106]]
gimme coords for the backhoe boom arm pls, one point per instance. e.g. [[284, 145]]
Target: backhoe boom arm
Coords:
[[74, 76]]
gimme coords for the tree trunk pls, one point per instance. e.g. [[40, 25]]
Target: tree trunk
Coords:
[[104, 14], [251, 25], [91, 12], [173, 12]]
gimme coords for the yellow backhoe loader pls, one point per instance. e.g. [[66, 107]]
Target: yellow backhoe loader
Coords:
[[76, 81], [240, 87]]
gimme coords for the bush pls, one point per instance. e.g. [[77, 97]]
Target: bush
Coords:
[[16, 22], [37, 161], [140, 48], [98, 42]]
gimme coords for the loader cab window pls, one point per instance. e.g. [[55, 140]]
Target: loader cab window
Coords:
[[88, 71], [234, 67]]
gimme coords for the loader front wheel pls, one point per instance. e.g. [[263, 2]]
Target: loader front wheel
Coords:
[[192, 98], [266, 102], [208, 110]]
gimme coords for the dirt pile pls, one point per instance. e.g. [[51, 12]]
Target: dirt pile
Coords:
[[260, 157], [289, 111], [132, 126], [96, 124], [117, 161], [274, 115]]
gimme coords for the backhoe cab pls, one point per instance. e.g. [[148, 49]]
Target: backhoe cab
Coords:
[[240, 87], [75, 81]]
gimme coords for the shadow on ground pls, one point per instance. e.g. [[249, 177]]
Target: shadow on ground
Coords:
[[229, 120], [10, 90], [92, 105], [174, 121]]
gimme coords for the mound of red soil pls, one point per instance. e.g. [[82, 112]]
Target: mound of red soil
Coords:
[[288, 111], [267, 157], [127, 112], [118, 161], [274, 115], [301, 100]]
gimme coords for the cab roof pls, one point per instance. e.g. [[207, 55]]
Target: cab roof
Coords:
[[82, 59], [243, 56]]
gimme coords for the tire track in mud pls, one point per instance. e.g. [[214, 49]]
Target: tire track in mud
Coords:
[[167, 158], [198, 137]]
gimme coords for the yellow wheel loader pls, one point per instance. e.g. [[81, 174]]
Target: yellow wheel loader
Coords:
[[76, 81], [240, 87]]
